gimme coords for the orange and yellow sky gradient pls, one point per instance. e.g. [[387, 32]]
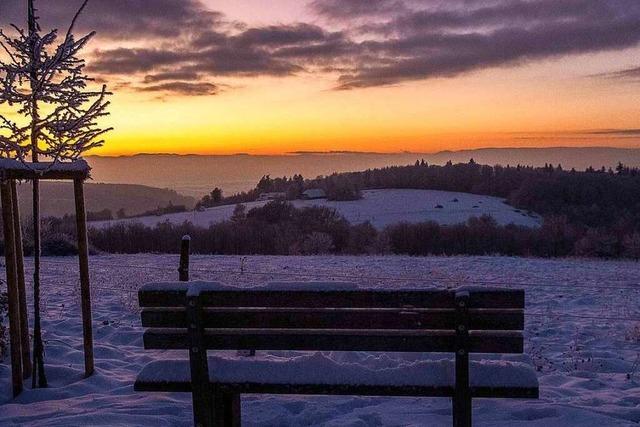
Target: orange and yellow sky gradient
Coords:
[[270, 77]]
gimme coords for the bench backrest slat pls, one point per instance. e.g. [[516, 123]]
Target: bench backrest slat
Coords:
[[325, 340], [334, 299], [479, 319]]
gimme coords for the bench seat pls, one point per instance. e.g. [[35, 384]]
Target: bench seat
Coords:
[[317, 374]]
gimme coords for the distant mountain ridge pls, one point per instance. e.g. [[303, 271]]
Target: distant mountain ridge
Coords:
[[196, 175]]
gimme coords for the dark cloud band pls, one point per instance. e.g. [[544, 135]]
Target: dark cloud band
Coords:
[[183, 88], [179, 46], [117, 19]]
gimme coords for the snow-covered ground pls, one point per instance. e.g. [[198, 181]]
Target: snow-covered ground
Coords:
[[380, 207], [588, 358]]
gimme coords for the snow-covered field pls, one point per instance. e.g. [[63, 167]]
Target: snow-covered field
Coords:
[[588, 362], [380, 207]]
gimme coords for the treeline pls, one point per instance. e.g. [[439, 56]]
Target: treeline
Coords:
[[278, 228], [336, 187], [483, 236], [606, 201], [591, 198]]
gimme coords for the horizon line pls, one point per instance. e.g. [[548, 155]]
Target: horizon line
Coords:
[[373, 153]]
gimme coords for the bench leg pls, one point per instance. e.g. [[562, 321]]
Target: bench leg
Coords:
[[226, 409], [462, 410], [202, 410]]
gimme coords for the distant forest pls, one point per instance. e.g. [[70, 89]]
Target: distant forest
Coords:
[[591, 198], [593, 213]]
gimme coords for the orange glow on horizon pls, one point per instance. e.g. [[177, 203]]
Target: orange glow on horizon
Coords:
[[281, 115], [537, 105]]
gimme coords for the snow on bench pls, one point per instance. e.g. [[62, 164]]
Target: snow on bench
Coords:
[[202, 286], [317, 368], [315, 286]]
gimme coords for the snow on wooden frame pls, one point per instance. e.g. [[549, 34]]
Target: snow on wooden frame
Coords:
[[16, 169]]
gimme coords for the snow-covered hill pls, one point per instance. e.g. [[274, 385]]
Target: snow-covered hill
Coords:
[[587, 356], [380, 207]]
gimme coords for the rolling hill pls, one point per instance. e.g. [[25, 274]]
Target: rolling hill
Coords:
[[57, 198], [380, 207]]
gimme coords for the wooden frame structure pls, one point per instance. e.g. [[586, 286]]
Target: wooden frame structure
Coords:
[[10, 172]]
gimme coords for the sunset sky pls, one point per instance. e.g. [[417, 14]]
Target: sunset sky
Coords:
[[279, 76]]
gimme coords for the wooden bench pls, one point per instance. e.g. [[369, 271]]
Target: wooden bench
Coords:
[[201, 316]]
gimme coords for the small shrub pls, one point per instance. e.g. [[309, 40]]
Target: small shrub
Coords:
[[317, 243], [103, 215], [58, 245], [633, 333], [596, 243], [363, 239]]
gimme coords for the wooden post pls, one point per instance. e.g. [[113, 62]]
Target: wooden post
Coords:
[[24, 315], [462, 408], [85, 290], [183, 269], [38, 376], [12, 287]]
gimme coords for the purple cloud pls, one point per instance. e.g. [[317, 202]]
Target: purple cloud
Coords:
[[370, 43]]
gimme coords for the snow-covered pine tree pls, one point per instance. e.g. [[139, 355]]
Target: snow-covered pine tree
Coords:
[[42, 79]]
